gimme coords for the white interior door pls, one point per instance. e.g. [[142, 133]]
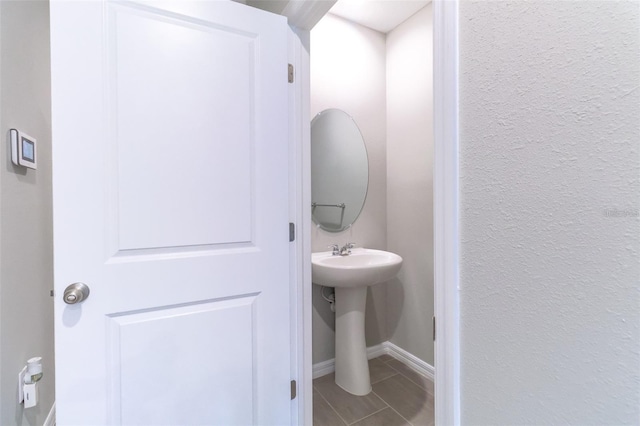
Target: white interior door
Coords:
[[171, 205]]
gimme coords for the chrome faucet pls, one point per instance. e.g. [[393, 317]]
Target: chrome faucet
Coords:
[[346, 249]]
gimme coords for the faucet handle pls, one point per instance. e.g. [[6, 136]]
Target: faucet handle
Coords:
[[335, 248], [346, 250]]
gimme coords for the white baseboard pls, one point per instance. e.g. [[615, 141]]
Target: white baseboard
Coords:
[[416, 364], [377, 350], [51, 417], [411, 361], [323, 368]]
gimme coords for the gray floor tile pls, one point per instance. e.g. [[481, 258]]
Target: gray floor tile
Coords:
[[323, 414], [350, 407], [386, 417], [385, 358], [378, 370], [416, 378], [407, 398]]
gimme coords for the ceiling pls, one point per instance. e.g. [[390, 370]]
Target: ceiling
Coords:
[[380, 15]]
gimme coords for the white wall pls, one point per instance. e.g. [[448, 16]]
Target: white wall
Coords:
[[410, 182], [26, 308], [550, 134], [348, 72]]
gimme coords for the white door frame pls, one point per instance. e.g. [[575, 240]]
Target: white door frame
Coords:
[[300, 187], [446, 213]]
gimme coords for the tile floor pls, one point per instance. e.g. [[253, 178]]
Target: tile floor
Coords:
[[400, 396]]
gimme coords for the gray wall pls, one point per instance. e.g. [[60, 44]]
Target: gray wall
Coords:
[[26, 308], [348, 72], [410, 182], [549, 146]]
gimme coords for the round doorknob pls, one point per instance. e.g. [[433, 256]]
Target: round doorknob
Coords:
[[75, 293]]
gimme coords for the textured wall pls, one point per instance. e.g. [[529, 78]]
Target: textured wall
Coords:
[[410, 182], [26, 252], [348, 72], [550, 133]]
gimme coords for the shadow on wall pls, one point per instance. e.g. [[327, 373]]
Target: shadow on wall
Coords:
[[12, 168], [322, 307], [375, 332], [395, 302], [30, 416]]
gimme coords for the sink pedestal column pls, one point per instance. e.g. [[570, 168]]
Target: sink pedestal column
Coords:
[[352, 368]]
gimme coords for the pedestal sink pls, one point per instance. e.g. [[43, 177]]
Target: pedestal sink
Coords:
[[351, 275]]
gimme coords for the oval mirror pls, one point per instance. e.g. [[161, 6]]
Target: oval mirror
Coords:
[[339, 170]]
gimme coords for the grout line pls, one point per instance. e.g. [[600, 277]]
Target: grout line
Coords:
[[375, 412], [394, 410], [398, 372], [420, 385], [334, 410], [388, 377]]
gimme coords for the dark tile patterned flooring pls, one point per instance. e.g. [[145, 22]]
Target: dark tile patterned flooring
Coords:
[[400, 396]]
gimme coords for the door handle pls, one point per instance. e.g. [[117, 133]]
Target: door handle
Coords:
[[75, 293]]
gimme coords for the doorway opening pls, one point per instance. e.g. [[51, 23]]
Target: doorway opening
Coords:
[[381, 74]]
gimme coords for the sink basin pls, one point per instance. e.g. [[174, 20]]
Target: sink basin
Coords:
[[351, 275], [363, 267]]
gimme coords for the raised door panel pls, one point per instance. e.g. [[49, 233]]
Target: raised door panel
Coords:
[[184, 364], [182, 157]]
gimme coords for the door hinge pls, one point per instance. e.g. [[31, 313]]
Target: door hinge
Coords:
[[292, 232], [290, 73], [434, 328], [294, 389]]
